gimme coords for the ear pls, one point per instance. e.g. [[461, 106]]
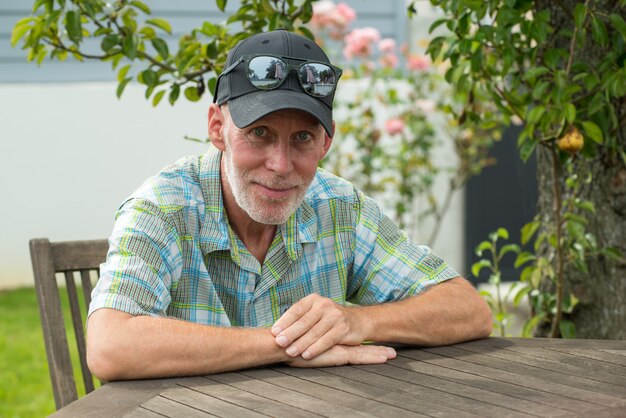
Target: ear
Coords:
[[328, 140], [216, 127]]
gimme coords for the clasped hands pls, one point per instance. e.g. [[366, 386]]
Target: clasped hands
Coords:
[[318, 332]]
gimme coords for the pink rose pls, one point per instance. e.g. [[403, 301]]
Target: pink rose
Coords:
[[334, 17], [389, 61], [345, 13], [418, 63], [387, 45], [359, 42], [394, 126], [322, 13]]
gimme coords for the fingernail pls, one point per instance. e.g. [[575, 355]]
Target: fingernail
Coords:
[[391, 353], [306, 355], [281, 340], [292, 351], [276, 330]]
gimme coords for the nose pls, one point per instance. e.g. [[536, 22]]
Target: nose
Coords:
[[279, 159]]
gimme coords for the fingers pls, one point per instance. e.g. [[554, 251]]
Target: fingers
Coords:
[[293, 314], [340, 355], [312, 326]]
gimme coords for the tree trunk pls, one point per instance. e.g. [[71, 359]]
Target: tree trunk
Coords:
[[602, 291]]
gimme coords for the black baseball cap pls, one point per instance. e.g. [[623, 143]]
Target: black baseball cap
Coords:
[[248, 104]]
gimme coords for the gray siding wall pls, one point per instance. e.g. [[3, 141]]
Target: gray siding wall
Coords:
[[387, 16]]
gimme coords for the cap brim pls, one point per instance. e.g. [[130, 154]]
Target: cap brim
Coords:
[[251, 107]]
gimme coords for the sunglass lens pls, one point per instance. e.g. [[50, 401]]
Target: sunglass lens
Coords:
[[317, 79], [266, 73]]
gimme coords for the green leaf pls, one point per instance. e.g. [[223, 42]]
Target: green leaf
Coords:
[[191, 93], [531, 324], [141, 6], [529, 230], [579, 15], [212, 83], [478, 266], [157, 97], [121, 86], [121, 74], [593, 131], [535, 114], [40, 3], [526, 274], [495, 278], [509, 248], [18, 32], [74, 26], [526, 149], [523, 258], [521, 294], [306, 32], [174, 93], [535, 278], [149, 77], [221, 4], [534, 72], [619, 23], [109, 42], [212, 50], [570, 112], [567, 328], [598, 31], [612, 253], [161, 24], [485, 245], [503, 233], [540, 90], [129, 46], [587, 205], [161, 47], [436, 24]]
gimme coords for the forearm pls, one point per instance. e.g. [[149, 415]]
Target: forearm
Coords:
[[445, 314], [121, 346]]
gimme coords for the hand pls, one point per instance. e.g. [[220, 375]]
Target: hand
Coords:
[[316, 324], [340, 355]]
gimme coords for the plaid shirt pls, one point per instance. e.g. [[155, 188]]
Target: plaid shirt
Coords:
[[173, 253]]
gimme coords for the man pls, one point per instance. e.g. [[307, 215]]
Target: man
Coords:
[[249, 255]]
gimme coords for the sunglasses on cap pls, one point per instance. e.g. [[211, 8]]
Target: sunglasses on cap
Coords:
[[268, 72]]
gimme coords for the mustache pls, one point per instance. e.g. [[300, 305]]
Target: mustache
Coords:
[[280, 183]]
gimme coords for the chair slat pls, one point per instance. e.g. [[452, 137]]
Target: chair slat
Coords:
[[78, 330], [86, 281], [65, 257], [55, 338], [77, 255]]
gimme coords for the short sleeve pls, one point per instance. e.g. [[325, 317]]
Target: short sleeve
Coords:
[[142, 263], [388, 266]]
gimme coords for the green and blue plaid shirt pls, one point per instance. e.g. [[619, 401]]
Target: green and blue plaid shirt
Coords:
[[173, 253]]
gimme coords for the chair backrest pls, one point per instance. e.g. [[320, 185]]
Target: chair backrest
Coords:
[[48, 259]]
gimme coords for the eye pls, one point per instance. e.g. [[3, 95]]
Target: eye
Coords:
[[304, 137], [259, 131]]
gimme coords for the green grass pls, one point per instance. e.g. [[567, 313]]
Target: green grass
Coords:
[[25, 388]]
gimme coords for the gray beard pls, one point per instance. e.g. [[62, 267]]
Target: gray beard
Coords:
[[269, 213]]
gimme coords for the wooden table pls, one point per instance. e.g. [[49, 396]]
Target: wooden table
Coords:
[[496, 377]]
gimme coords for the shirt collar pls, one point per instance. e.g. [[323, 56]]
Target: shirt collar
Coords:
[[300, 228]]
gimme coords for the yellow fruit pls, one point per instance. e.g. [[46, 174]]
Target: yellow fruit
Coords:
[[572, 141]]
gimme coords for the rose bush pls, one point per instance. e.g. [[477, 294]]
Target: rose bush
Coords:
[[394, 116]]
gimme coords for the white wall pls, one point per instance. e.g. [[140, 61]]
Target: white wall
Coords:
[[71, 153]]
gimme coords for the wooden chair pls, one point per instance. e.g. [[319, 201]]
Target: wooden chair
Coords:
[[48, 259]]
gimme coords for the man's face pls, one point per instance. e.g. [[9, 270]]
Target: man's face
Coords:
[[269, 165]]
